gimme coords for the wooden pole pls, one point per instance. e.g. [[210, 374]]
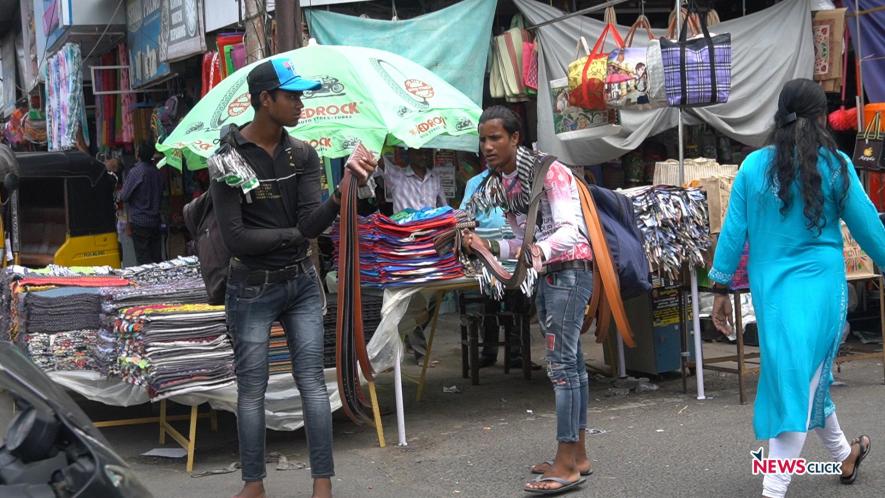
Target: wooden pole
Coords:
[[256, 37], [288, 33]]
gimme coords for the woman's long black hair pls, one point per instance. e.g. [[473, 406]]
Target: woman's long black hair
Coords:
[[799, 133]]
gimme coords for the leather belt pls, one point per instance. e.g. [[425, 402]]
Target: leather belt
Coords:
[[578, 264], [351, 357], [241, 273]]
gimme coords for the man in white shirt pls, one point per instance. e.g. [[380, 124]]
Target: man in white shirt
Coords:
[[415, 186]]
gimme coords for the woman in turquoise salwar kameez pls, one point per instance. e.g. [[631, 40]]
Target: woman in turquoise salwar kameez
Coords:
[[787, 201]]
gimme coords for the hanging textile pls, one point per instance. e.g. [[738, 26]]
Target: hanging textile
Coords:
[[829, 35], [65, 105], [756, 81], [127, 102], [674, 225], [872, 46], [105, 105]]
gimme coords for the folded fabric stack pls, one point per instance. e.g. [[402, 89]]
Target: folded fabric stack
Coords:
[[167, 272], [175, 349], [56, 317], [63, 309], [13, 291], [674, 223], [189, 290], [399, 251], [39, 349], [74, 350], [278, 357]]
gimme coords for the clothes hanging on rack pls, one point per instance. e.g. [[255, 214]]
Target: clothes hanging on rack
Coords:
[[65, 104]]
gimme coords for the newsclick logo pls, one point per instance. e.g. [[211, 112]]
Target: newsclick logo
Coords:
[[794, 466]]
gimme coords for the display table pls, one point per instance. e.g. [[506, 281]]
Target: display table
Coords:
[[385, 349], [282, 403]]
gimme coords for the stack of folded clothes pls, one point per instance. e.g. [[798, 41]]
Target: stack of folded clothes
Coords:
[[172, 271], [399, 250], [56, 318], [188, 290], [63, 308], [175, 349], [278, 357]]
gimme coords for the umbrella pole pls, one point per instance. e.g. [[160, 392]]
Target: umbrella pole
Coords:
[[695, 300]]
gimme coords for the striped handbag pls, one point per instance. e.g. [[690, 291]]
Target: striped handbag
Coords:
[[697, 72]]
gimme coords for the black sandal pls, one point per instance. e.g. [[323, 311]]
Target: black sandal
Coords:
[[864, 451]]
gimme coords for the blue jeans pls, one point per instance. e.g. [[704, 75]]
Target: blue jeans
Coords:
[[298, 305], [561, 300]]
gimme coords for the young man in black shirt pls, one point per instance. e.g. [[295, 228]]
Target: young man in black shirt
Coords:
[[271, 276]]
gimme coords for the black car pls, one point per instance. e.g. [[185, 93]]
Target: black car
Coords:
[[52, 449]]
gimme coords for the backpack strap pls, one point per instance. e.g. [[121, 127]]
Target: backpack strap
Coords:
[[608, 302]]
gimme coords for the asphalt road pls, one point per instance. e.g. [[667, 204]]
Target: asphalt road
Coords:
[[480, 442]]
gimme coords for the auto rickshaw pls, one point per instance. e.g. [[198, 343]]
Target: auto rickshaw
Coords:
[[60, 209]]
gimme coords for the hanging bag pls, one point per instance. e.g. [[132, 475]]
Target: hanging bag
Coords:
[[509, 57], [589, 93], [530, 64], [627, 77], [697, 72], [868, 148]]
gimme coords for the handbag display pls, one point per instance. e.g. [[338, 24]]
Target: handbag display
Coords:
[[530, 65], [697, 72], [868, 148], [627, 82], [575, 123], [587, 75], [508, 49]]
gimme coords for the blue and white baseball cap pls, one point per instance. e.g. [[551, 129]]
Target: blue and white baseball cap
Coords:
[[278, 74]]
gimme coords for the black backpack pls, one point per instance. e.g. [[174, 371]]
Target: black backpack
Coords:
[[199, 217], [625, 240]]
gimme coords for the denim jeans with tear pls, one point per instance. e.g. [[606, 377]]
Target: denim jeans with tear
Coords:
[[298, 305], [561, 300]]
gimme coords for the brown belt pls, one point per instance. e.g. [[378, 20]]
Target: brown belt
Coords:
[[350, 349], [607, 303]]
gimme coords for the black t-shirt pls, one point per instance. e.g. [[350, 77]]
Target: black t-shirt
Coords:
[[269, 228]]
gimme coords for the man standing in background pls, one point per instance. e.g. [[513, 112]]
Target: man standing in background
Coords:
[[142, 192], [415, 186]]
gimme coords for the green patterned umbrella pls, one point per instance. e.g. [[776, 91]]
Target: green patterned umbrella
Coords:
[[369, 96]]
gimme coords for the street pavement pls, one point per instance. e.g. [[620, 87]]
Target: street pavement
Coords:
[[480, 442]]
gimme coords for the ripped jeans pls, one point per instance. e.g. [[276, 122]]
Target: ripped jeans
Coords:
[[561, 300]]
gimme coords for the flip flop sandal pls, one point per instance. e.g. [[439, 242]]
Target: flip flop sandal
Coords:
[[566, 486], [863, 454], [550, 463]]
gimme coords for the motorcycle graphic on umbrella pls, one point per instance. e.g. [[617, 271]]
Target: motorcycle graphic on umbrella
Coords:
[[331, 86]]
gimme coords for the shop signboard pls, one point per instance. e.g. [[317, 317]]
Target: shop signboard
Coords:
[[182, 27], [146, 46]]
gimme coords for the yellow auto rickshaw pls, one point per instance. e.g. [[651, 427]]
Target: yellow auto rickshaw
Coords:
[[58, 208]]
